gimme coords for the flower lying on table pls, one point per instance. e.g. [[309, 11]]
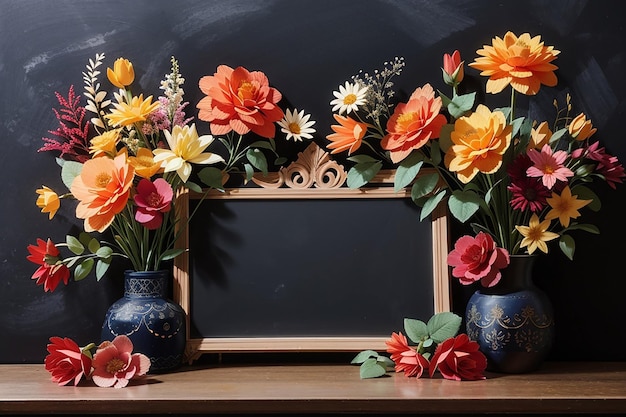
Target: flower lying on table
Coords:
[[435, 346], [113, 365], [520, 183]]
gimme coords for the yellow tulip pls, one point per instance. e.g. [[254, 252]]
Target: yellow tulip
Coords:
[[48, 201], [122, 74], [580, 128]]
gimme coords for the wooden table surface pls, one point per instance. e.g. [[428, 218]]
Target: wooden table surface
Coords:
[[598, 387]]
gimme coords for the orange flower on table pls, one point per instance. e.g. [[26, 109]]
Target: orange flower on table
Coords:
[[49, 274], [479, 143], [48, 201], [239, 100], [413, 123], [523, 62], [348, 135], [580, 128], [102, 188]]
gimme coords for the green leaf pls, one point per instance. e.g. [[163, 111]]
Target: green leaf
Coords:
[[385, 361], [171, 254], [362, 173], [586, 227], [568, 246], [211, 177], [363, 356], [249, 171], [435, 153], [280, 160], [94, 246], [101, 267], [262, 144], [445, 140], [558, 135], [69, 171], [443, 326], [585, 193], [84, 238], [359, 159], [461, 104], [83, 269], [424, 185], [257, 159], [371, 369], [463, 204], [416, 330], [193, 186], [408, 170], [104, 252], [428, 343], [74, 245], [431, 204]]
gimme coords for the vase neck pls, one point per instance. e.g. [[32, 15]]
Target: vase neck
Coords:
[[145, 284], [517, 276]]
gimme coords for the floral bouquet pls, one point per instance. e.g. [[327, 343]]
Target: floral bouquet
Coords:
[[126, 158], [519, 183]]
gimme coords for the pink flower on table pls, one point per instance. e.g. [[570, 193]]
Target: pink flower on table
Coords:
[[66, 361], [115, 364], [152, 200], [478, 258], [458, 358], [549, 166]]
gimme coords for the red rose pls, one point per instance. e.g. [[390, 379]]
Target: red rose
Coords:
[[66, 361], [458, 358]]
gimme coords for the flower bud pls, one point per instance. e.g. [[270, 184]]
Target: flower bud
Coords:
[[122, 75], [453, 68], [580, 128]]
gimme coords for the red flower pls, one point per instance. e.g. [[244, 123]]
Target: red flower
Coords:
[[453, 68], [405, 357], [396, 345], [478, 258], [115, 364], [153, 199], [50, 274], [66, 361], [239, 100], [458, 358]]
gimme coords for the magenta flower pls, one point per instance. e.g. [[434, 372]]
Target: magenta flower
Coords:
[[549, 166], [528, 193], [608, 165], [152, 200], [476, 259]]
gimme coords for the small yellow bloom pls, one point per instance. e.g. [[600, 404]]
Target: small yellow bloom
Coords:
[[536, 235], [122, 74], [144, 163], [48, 201], [581, 128], [565, 206], [126, 114], [105, 143], [539, 136]]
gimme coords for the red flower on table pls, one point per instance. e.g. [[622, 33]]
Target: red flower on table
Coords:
[[458, 358], [66, 361]]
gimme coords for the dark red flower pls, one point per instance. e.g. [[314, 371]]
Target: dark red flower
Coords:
[[49, 273], [458, 358], [476, 259], [152, 200], [528, 193], [66, 361]]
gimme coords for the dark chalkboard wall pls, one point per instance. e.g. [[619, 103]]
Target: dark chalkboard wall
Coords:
[[307, 48]]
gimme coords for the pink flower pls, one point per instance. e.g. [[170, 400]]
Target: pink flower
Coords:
[[152, 199], [476, 259], [608, 165], [48, 274], [115, 364], [66, 361], [458, 358], [549, 166]]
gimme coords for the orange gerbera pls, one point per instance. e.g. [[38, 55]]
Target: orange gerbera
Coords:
[[413, 124], [348, 135], [523, 62], [478, 143], [102, 188], [239, 100]]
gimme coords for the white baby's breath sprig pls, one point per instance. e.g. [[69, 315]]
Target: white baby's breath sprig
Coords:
[[96, 102]]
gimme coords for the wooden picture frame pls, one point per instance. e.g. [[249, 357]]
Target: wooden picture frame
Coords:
[[314, 175]]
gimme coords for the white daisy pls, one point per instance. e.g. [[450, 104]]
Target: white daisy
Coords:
[[349, 97], [297, 125]]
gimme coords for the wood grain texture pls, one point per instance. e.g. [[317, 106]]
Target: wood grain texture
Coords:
[[321, 388]]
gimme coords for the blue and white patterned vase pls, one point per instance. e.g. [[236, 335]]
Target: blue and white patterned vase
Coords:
[[155, 324], [513, 322]]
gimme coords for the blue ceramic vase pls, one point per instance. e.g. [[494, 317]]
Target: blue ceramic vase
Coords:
[[512, 322], [155, 324]]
